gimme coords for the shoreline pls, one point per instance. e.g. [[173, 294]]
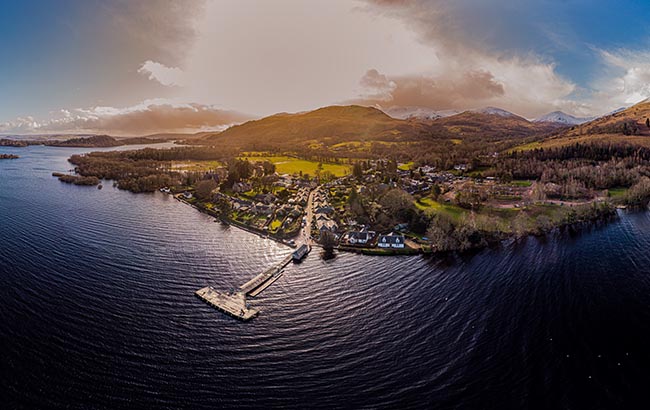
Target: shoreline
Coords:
[[427, 250], [236, 224]]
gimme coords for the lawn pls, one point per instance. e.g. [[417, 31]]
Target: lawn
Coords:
[[406, 167], [195, 165], [617, 192], [449, 209], [275, 225], [291, 165], [521, 183]]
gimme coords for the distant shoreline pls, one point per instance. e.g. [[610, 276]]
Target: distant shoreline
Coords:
[[95, 141]]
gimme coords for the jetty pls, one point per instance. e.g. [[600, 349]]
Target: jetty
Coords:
[[259, 280], [234, 303]]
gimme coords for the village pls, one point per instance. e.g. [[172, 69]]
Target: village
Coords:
[[379, 207]]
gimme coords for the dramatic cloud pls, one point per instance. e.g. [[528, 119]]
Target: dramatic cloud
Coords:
[[162, 30], [429, 91], [514, 45], [146, 118], [629, 81], [525, 87], [169, 76], [263, 57]]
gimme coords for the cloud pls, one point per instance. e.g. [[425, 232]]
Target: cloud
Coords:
[[431, 91], [161, 29], [467, 71], [630, 81], [527, 87], [146, 118], [377, 87], [169, 76]]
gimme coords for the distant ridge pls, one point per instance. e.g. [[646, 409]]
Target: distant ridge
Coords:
[[494, 111], [419, 113], [560, 117]]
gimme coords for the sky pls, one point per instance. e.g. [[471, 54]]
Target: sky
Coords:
[[135, 68]]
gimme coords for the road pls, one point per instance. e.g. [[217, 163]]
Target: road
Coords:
[[305, 234]]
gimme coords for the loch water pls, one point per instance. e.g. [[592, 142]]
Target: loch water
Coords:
[[97, 311]]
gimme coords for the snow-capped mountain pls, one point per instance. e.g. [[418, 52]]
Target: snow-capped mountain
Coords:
[[494, 111], [420, 113], [560, 117]]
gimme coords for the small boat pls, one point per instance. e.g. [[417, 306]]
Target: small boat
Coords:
[[301, 252]]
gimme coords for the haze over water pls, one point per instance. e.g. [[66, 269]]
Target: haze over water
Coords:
[[98, 308]]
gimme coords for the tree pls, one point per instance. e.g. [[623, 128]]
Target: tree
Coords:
[[538, 194], [639, 193], [440, 233], [204, 189], [543, 224], [397, 202], [357, 172], [269, 167], [328, 241], [355, 207]]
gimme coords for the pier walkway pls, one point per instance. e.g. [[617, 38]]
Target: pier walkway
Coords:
[[259, 280], [234, 303]]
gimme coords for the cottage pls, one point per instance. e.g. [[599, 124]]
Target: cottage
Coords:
[[360, 238], [324, 209], [327, 225], [391, 241], [401, 227]]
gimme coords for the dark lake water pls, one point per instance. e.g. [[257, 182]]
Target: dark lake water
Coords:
[[97, 310]]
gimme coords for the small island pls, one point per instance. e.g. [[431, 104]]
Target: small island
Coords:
[[76, 179], [9, 156]]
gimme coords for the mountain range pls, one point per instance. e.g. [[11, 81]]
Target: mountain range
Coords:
[[560, 117]]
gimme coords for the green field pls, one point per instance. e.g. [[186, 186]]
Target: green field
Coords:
[[195, 165], [617, 192], [275, 225], [406, 167], [291, 165], [449, 209]]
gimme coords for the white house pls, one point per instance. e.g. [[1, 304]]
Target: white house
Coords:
[[391, 241]]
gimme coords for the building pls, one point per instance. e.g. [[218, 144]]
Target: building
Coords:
[[327, 225], [360, 238], [391, 241]]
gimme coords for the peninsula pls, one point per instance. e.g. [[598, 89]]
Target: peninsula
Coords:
[[86, 141]]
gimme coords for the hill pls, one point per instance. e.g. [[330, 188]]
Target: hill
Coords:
[[327, 126], [622, 126], [493, 123], [560, 117], [336, 126]]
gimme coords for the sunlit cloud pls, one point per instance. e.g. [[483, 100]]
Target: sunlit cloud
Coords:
[[263, 57], [170, 76], [149, 117]]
